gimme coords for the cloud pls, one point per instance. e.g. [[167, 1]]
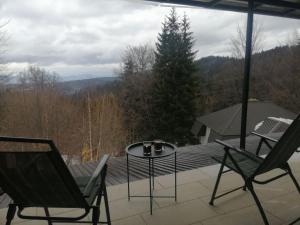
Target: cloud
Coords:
[[74, 36]]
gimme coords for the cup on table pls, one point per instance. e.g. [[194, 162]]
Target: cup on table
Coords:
[[147, 148], [158, 144]]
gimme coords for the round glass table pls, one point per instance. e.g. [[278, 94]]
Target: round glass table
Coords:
[[137, 150]]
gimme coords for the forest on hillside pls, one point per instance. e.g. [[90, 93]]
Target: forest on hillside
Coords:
[[275, 77], [159, 93]]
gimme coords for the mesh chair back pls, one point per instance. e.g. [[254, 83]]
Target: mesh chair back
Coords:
[[284, 148], [38, 179]]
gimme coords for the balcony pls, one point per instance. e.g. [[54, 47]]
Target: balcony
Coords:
[[279, 198]]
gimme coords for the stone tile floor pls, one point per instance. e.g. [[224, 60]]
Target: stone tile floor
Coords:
[[279, 198]]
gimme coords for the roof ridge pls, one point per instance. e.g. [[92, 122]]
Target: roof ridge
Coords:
[[233, 117]]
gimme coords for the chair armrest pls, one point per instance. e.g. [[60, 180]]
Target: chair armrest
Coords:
[[229, 146], [265, 137], [225, 144], [237, 150], [94, 179]]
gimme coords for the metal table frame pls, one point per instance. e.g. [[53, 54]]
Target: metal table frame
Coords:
[[151, 174]]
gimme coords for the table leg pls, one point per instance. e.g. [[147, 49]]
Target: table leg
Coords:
[[153, 174], [150, 188], [175, 168], [128, 176]]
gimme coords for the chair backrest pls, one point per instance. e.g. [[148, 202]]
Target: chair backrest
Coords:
[[38, 178], [284, 148]]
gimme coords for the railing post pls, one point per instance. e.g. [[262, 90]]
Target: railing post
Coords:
[[247, 70]]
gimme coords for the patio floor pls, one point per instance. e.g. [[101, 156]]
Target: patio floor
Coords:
[[280, 200]]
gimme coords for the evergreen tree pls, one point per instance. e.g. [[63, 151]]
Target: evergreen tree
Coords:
[[173, 104]]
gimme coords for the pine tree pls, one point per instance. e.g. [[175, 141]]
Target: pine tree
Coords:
[[174, 93]]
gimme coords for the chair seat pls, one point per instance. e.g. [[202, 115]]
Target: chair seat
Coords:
[[246, 164]]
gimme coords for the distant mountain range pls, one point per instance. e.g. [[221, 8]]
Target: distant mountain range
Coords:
[[72, 86], [207, 67]]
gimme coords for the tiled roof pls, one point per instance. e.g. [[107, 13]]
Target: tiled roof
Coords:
[[227, 122]]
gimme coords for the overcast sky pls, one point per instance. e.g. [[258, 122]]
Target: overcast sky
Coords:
[[87, 37]]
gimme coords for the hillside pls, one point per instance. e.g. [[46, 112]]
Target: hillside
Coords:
[[212, 66], [275, 76]]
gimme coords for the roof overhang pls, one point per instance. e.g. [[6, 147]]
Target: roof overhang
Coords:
[[281, 8]]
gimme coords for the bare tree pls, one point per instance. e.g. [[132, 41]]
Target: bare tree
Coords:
[[238, 49], [103, 126], [136, 80], [238, 42], [141, 58]]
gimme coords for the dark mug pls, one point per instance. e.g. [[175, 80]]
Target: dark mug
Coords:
[[147, 149], [157, 145]]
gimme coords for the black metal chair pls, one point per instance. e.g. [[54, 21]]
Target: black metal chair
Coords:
[[40, 178], [249, 165]]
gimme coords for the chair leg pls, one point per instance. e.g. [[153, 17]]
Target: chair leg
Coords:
[[10, 213], [217, 182], [245, 187], [261, 210], [259, 147], [95, 215], [106, 205], [99, 198], [48, 215], [293, 178]]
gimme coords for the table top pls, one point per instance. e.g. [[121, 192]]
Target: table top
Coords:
[[136, 150]]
